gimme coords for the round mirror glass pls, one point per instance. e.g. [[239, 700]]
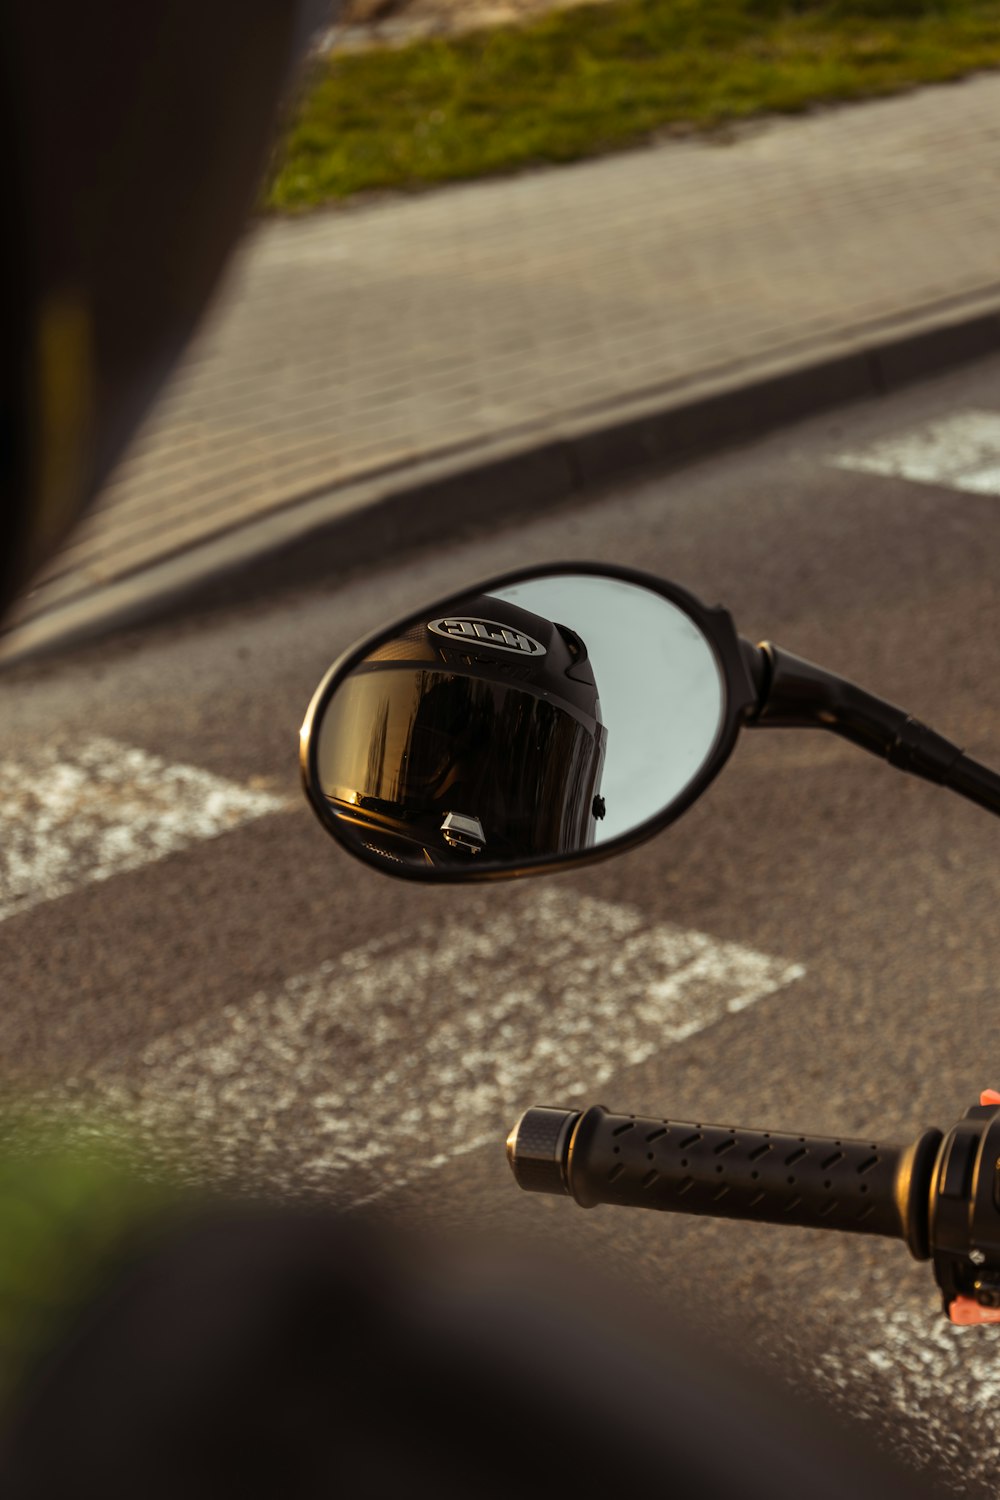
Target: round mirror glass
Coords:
[[541, 719]]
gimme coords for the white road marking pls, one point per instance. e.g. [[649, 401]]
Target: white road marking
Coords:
[[961, 452], [393, 1058], [70, 817], [944, 1381]]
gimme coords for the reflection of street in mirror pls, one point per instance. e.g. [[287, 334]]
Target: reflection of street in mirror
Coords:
[[661, 693], [538, 721]]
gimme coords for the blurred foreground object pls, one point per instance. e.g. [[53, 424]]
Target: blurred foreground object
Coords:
[[263, 1351], [136, 137]]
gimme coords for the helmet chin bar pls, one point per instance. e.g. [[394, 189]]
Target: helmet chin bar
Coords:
[[461, 831]]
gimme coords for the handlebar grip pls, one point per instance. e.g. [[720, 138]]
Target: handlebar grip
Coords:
[[727, 1172]]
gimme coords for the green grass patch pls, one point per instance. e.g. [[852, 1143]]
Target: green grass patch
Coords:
[[587, 81]]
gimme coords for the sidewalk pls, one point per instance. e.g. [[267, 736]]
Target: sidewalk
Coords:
[[370, 374]]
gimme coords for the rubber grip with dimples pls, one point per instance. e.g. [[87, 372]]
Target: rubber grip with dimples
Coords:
[[758, 1175]]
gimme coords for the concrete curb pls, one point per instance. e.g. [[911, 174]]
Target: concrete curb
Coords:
[[327, 535]]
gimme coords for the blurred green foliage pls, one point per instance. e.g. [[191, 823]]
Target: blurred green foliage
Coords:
[[585, 81], [69, 1223]]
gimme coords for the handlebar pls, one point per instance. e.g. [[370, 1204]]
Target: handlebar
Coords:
[[940, 1194]]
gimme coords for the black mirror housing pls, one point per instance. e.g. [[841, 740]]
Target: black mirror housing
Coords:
[[537, 721]]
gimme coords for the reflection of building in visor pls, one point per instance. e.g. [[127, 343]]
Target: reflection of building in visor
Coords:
[[478, 734]]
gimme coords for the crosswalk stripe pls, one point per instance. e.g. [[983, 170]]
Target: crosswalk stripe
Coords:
[[944, 1380], [70, 815], [960, 452], [320, 1084]]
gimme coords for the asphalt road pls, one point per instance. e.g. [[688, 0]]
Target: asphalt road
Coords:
[[185, 948]]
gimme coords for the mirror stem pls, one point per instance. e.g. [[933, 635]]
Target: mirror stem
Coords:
[[795, 693]]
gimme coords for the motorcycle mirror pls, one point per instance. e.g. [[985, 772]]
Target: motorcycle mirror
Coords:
[[564, 714], [549, 717]]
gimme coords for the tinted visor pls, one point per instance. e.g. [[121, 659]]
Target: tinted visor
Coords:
[[463, 766]]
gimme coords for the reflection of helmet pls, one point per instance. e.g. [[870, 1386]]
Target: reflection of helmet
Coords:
[[134, 135], [475, 733]]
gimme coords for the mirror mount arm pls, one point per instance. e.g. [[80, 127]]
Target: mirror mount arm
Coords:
[[795, 693]]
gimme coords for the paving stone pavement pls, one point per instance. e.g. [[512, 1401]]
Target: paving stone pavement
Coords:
[[359, 341]]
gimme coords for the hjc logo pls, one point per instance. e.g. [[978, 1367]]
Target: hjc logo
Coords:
[[487, 633]]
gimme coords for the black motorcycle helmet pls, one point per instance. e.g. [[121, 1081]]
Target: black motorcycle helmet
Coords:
[[477, 735], [136, 134]]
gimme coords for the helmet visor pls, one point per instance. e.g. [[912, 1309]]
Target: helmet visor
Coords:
[[460, 765]]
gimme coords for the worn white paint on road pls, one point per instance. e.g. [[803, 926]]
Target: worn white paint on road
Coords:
[[961, 452], [944, 1381], [390, 1059], [73, 815]]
